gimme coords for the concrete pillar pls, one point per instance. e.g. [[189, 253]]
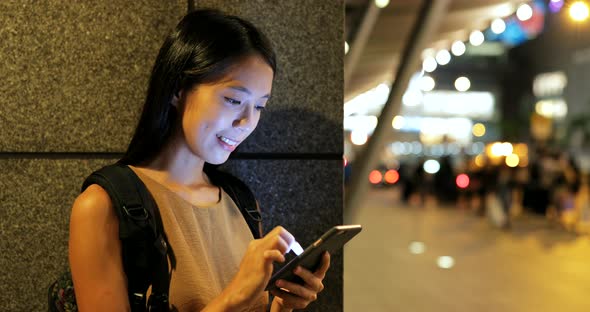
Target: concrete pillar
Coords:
[[429, 17]]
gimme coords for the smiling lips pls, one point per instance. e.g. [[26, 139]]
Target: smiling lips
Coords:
[[227, 144]]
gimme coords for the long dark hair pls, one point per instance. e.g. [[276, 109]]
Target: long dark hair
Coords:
[[201, 49]]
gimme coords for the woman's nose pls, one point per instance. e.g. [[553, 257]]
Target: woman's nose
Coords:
[[246, 120]]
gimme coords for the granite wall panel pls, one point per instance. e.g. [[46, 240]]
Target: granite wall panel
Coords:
[[35, 201], [65, 63], [305, 197], [78, 60]]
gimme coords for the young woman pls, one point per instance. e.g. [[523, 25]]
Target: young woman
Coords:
[[211, 81]]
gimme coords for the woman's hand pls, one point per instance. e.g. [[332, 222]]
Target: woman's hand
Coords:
[[295, 296], [256, 269]]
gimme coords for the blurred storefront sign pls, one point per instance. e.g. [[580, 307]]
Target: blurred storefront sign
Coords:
[[549, 84], [477, 105], [548, 88]]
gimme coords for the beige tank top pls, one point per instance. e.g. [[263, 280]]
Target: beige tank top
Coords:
[[208, 244]]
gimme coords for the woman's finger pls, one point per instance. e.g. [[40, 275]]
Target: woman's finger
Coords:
[[297, 290], [312, 280], [321, 272], [280, 239], [274, 255], [289, 300]]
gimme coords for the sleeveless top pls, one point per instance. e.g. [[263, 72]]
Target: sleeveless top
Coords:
[[208, 243]]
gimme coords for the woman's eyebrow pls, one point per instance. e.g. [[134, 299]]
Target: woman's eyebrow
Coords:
[[245, 90]]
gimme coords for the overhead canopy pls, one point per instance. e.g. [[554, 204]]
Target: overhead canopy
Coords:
[[381, 55]]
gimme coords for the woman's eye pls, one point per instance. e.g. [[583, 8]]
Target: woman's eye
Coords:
[[232, 101], [260, 108]]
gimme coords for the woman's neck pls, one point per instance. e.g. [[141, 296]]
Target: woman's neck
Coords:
[[177, 164]]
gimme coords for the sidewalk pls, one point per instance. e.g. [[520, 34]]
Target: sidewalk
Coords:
[[532, 267]]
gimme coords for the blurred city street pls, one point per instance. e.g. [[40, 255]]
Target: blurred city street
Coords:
[[394, 264]]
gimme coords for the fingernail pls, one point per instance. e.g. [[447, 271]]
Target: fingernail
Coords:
[[297, 249], [279, 283]]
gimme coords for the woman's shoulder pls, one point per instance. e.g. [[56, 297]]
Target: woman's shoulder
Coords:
[[93, 203]]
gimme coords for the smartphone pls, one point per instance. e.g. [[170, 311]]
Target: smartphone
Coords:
[[331, 241]]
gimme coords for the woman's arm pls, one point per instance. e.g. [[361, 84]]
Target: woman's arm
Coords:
[[95, 253]]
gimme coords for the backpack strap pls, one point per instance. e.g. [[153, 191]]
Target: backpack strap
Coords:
[[141, 232], [241, 194]]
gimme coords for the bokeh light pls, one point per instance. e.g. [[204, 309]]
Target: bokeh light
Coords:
[[512, 160], [445, 262], [427, 83], [458, 48], [358, 137], [476, 38], [462, 84], [498, 26], [398, 122], [381, 3], [555, 5], [462, 180], [443, 57], [417, 248], [429, 64], [391, 176], [431, 166], [478, 130], [524, 12], [375, 177], [501, 149], [579, 11]]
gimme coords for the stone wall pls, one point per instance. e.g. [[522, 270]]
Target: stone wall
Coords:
[[73, 80]]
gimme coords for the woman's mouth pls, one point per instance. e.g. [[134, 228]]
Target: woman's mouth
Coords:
[[227, 144]]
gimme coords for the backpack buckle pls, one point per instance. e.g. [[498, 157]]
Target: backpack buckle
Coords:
[[255, 214], [158, 302], [137, 302], [137, 213]]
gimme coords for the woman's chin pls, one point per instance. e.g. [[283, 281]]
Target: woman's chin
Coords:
[[219, 160]]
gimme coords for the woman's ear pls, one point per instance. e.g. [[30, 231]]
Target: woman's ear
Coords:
[[176, 98]]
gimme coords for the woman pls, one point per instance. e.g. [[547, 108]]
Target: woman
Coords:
[[211, 80]]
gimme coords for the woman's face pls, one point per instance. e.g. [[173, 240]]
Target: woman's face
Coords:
[[219, 116]]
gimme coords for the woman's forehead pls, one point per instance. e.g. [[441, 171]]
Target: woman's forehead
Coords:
[[251, 75]]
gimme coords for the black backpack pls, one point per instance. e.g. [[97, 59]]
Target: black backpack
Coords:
[[145, 250]]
